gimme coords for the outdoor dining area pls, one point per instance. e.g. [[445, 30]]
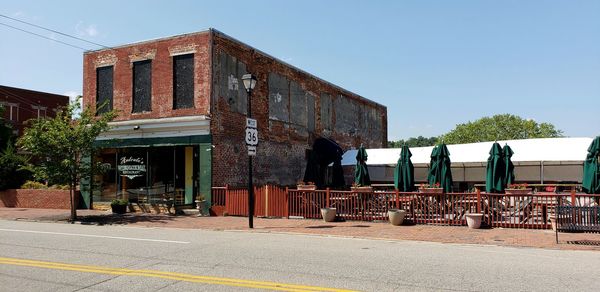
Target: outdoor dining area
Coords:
[[500, 202]]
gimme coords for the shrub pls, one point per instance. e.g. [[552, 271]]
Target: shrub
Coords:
[[34, 185], [60, 187], [119, 202]]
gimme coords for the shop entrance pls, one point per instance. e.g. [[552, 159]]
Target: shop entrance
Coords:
[[148, 175]]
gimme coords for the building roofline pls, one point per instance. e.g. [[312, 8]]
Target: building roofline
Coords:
[[137, 43], [34, 91], [226, 36]]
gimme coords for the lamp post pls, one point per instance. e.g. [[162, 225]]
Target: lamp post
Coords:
[[249, 83]]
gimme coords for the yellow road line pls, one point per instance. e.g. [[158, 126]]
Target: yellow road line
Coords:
[[166, 275]]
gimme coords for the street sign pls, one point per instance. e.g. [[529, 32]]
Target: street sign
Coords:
[[251, 150], [251, 123], [251, 133]]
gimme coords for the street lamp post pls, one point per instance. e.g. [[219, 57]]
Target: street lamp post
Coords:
[[249, 83]]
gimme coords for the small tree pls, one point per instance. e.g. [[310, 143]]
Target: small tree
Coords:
[[61, 143]]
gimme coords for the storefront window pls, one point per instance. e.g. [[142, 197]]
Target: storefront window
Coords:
[[148, 175]]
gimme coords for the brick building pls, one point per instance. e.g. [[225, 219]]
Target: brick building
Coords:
[[21, 105], [182, 108]]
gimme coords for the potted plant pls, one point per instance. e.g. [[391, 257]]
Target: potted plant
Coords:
[[328, 214], [430, 189], [396, 216], [517, 189], [474, 220], [309, 186], [361, 189], [200, 205], [119, 206]]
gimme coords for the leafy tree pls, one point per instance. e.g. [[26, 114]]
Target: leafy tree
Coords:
[[61, 144], [413, 142], [499, 127], [13, 168], [6, 134]]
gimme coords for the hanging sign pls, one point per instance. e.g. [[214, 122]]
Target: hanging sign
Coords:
[[131, 167]]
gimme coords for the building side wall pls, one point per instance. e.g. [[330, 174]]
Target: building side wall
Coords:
[[292, 108], [161, 53], [27, 102]]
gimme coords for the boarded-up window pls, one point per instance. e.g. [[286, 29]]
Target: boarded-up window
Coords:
[[104, 89], [183, 81], [142, 86]]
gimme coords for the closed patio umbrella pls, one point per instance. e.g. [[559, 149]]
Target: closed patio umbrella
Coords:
[[440, 170], [361, 172], [591, 169], [404, 177], [495, 170], [509, 167], [434, 171]]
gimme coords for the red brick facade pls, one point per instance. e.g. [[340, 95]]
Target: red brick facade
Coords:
[[308, 107], [21, 105], [160, 53], [26, 198]]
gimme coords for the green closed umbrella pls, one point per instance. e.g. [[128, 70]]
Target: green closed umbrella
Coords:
[[404, 176], [361, 172], [509, 167], [495, 170], [591, 169], [440, 170], [433, 174]]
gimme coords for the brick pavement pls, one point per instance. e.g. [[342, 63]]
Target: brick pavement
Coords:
[[359, 229]]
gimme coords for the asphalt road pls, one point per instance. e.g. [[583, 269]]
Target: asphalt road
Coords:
[[63, 257]]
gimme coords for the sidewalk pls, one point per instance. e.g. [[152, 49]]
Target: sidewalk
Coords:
[[358, 229]]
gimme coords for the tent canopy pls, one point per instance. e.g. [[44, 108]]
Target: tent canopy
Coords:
[[550, 151]]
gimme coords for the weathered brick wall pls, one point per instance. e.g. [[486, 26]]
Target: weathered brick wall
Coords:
[[160, 52], [27, 198], [285, 134]]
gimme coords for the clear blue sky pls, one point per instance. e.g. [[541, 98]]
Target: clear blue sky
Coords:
[[434, 64]]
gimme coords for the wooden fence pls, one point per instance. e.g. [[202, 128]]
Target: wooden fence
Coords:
[[533, 211]]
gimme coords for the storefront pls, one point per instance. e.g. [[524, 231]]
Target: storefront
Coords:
[[150, 163]]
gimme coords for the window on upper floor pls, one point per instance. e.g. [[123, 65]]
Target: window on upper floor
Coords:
[[183, 81], [11, 110], [142, 86], [41, 110], [104, 89]]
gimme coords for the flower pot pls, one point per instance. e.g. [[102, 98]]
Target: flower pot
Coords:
[[517, 191], [474, 220], [396, 216], [328, 214], [366, 189], [119, 209], [306, 187], [431, 190]]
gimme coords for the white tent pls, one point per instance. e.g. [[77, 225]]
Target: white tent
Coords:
[[535, 160]]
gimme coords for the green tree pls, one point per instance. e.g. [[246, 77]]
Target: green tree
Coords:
[[60, 145], [499, 127], [413, 142], [6, 134], [13, 168]]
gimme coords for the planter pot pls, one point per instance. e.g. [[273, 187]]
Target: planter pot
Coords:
[[474, 220], [306, 187], [431, 190], [119, 209], [396, 216], [362, 189], [517, 191], [328, 214]]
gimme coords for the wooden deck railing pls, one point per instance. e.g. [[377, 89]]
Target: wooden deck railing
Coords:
[[533, 211]]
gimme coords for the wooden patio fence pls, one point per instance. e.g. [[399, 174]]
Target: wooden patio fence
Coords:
[[532, 211]]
